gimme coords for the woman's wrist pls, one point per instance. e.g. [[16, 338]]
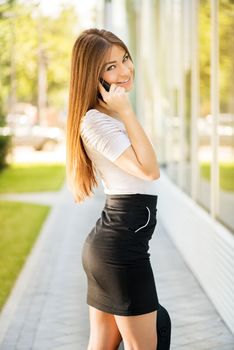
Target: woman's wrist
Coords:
[[127, 113]]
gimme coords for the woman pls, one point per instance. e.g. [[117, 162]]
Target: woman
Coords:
[[104, 138]]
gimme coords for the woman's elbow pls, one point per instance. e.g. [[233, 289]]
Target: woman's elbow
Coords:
[[154, 176]]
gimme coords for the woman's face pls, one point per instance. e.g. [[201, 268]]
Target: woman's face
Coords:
[[118, 68]]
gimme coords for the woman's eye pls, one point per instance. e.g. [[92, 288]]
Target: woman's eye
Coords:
[[125, 59], [109, 68]]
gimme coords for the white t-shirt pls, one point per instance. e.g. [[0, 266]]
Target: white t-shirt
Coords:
[[105, 139]]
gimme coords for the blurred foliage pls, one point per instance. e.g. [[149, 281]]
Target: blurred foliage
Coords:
[[226, 174], [226, 52], [204, 55], [226, 55], [5, 147], [23, 29]]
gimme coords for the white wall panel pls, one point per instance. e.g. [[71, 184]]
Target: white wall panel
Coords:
[[206, 245]]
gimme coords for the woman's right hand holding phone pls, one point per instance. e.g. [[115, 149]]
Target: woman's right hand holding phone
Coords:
[[116, 99], [140, 158]]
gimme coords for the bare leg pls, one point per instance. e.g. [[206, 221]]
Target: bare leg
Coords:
[[104, 333], [138, 332]]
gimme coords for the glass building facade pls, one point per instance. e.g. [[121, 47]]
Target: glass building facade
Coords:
[[186, 67]]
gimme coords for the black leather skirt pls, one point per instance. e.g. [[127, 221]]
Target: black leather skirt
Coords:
[[116, 257]]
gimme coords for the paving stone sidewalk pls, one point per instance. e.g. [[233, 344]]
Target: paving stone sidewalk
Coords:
[[47, 308], [44, 198]]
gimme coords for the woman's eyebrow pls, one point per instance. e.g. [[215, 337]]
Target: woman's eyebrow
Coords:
[[114, 61]]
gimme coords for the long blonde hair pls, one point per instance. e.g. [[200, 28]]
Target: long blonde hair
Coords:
[[89, 53]]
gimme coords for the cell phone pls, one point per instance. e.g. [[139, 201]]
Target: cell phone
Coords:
[[106, 85]]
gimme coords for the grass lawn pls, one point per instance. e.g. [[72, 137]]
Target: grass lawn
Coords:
[[20, 225], [21, 222], [32, 178], [226, 175]]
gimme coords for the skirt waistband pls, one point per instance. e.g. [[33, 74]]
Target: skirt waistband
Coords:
[[127, 201]]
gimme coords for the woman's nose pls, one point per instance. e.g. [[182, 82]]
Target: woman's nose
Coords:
[[124, 69]]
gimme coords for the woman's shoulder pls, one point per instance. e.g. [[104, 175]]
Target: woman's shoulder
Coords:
[[90, 116], [95, 122], [93, 112], [95, 117]]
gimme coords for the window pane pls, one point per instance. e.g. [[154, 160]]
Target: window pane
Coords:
[[187, 39], [204, 122], [226, 117], [171, 61]]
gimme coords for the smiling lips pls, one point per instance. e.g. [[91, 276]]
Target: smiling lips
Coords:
[[124, 82]]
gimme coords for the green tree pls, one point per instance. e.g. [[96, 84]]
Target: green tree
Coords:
[[25, 29], [226, 54]]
